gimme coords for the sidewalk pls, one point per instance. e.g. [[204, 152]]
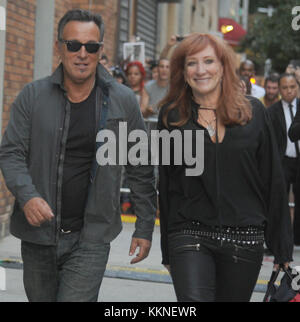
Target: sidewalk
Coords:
[[147, 281]]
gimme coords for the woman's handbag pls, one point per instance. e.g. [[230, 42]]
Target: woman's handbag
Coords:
[[287, 291]]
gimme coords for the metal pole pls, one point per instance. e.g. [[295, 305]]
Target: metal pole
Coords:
[[245, 14], [2, 55], [45, 12]]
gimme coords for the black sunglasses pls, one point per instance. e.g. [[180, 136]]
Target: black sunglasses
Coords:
[[74, 46]]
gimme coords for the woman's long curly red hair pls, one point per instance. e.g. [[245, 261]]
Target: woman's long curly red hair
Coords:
[[233, 107], [141, 68]]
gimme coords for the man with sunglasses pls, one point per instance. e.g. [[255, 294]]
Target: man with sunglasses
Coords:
[[67, 206]]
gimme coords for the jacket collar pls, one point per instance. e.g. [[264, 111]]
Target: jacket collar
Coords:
[[103, 78]]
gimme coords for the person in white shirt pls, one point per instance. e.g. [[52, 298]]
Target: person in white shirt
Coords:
[[247, 69]]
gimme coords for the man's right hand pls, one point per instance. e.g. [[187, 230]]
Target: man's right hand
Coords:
[[37, 211]]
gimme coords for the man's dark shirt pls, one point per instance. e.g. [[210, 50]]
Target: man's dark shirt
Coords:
[[80, 153]]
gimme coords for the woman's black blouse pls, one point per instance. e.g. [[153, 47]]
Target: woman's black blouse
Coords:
[[242, 183]]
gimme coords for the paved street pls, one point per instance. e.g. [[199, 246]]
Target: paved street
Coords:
[[147, 281]]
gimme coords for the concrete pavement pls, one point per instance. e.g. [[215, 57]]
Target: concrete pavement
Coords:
[[147, 281]]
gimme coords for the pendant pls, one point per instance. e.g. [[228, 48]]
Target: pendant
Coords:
[[211, 130]]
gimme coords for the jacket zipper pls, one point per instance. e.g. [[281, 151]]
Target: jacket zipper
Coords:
[[98, 115], [62, 141], [196, 246]]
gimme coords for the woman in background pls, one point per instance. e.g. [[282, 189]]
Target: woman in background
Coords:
[[136, 75]]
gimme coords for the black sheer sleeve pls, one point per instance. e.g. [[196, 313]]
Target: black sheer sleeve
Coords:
[[278, 232]]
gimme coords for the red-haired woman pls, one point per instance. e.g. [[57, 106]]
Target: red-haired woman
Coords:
[[136, 75], [214, 225]]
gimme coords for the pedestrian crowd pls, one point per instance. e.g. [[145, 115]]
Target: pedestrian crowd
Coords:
[[215, 227]]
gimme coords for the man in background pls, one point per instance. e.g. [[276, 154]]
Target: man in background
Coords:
[[272, 90], [247, 69], [156, 90], [282, 114]]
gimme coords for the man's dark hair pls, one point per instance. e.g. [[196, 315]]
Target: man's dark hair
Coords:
[[118, 72], [83, 16], [274, 78], [153, 64], [287, 75], [104, 57]]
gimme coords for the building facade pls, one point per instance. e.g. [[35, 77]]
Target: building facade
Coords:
[[185, 17], [236, 10]]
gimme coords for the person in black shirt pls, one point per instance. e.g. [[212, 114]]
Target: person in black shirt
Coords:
[[213, 225]]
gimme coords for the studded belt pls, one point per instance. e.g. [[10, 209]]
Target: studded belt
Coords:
[[250, 235]]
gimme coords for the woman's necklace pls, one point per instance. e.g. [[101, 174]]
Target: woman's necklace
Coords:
[[210, 128]]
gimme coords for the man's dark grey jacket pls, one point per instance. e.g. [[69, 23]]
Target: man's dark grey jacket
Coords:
[[32, 156]]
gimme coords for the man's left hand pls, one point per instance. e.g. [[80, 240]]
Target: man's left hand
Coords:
[[144, 248]]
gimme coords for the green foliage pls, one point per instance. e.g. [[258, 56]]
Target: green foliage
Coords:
[[272, 37]]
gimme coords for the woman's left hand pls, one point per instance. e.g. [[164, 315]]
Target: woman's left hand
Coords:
[[276, 266]]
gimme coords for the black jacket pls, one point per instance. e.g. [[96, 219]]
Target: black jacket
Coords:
[[242, 183], [277, 117], [32, 154]]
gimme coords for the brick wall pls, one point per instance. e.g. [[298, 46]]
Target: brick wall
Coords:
[[18, 71], [19, 53], [108, 9], [19, 59]]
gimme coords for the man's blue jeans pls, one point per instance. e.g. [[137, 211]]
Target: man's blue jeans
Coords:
[[71, 271]]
